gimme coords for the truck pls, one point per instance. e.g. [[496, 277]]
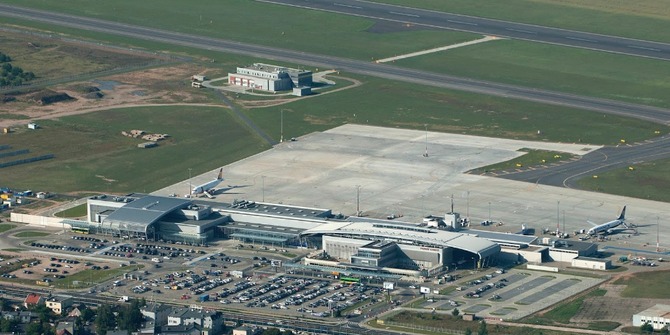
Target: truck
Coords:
[[156, 260], [203, 298]]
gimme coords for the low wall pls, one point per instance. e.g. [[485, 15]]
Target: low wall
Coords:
[[38, 220], [542, 268]]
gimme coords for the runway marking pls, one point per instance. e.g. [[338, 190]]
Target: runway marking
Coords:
[[345, 5], [404, 14], [643, 48], [461, 22], [419, 53], [580, 39], [522, 31]]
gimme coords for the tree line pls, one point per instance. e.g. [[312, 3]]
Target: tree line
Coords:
[[11, 75]]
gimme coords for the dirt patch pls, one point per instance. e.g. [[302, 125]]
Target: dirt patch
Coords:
[[166, 85]]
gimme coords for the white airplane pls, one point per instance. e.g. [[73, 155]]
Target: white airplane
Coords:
[[207, 187], [608, 227]]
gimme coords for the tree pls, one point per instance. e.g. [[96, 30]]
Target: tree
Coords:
[[87, 314], [455, 312], [272, 331], [9, 325], [468, 331], [482, 328], [130, 317], [104, 319], [665, 330], [646, 328], [4, 58]]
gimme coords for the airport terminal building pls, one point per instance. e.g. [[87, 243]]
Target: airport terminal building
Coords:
[[357, 244]]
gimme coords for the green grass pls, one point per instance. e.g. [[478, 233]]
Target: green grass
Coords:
[[654, 284], [88, 278], [530, 158], [644, 19], [14, 249], [427, 323], [604, 325], [651, 180], [73, 212], [6, 226], [392, 104], [562, 313], [24, 234], [544, 66], [202, 138]]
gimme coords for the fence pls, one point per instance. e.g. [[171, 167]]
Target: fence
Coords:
[[26, 160]]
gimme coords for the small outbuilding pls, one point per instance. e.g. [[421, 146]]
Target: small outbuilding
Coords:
[[33, 125], [657, 316], [591, 263]]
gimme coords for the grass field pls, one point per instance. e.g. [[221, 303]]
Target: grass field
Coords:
[[643, 19], [652, 284], [51, 59], [427, 323], [25, 234], [73, 212], [106, 161], [531, 158], [564, 311], [88, 277], [651, 180], [392, 104], [583, 72], [6, 226]]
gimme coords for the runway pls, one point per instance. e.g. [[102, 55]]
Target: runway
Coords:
[[521, 31], [649, 113]]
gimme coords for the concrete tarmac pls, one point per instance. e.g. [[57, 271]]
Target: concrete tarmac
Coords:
[[383, 171]]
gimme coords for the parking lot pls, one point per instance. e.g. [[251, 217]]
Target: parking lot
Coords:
[[509, 295]]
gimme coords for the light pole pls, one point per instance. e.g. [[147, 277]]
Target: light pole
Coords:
[[489, 212], [358, 200], [263, 187], [425, 154], [190, 188], [281, 126], [558, 216]]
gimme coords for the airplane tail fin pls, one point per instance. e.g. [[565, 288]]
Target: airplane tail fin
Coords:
[[623, 214], [220, 176]]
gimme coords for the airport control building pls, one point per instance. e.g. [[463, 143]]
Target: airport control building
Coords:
[[271, 78]]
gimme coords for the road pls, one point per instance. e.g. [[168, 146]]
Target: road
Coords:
[[601, 160], [386, 71], [521, 31]]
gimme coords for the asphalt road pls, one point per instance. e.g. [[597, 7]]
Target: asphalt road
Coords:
[[387, 71], [442, 20], [601, 160]]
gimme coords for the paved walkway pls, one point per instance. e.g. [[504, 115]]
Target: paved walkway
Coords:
[[424, 52]]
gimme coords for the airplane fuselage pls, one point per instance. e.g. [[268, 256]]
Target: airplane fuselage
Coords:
[[603, 228]]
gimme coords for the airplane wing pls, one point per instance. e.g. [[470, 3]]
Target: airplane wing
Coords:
[[592, 223]]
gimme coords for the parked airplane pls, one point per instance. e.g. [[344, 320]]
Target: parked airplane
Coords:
[[208, 187], [608, 227]]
